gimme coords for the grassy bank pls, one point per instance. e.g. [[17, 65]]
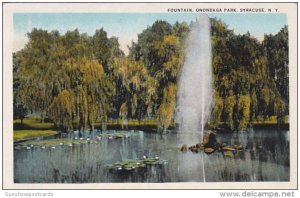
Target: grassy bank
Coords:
[[32, 123], [32, 128], [271, 123], [28, 134]]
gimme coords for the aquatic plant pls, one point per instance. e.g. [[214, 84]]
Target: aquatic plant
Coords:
[[131, 164]]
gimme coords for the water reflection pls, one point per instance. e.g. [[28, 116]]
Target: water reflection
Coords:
[[265, 158]]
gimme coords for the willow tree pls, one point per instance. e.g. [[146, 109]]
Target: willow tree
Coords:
[[276, 48], [280, 110], [267, 97], [170, 51], [95, 77], [161, 48], [229, 104], [253, 106], [20, 110], [215, 118], [166, 109], [62, 109], [39, 69], [81, 110], [123, 114], [92, 92], [136, 88], [139, 83], [243, 111]]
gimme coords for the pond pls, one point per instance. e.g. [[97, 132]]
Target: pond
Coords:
[[97, 158]]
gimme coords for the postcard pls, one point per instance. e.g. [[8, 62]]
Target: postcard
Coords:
[[150, 96]]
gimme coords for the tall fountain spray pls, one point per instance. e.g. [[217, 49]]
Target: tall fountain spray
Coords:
[[195, 92]]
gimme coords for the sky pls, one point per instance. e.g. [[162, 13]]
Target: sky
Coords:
[[126, 26]]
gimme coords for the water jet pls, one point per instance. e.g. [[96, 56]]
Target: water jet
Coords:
[[195, 91]]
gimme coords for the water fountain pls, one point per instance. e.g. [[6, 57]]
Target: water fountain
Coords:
[[195, 92], [103, 156]]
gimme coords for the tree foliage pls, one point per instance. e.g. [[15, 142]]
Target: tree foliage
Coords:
[[246, 75], [60, 77], [77, 80]]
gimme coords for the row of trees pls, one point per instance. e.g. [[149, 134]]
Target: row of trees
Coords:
[[65, 77], [251, 77], [77, 80]]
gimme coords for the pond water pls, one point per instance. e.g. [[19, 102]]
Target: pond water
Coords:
[[265, 157]]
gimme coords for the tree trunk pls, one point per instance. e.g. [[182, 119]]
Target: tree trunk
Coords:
[[42, 117], [122, 122], [104, 120]]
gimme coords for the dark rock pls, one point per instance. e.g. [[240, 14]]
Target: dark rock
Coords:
[[200, 146], [210, 145], [209, 139], [194, 149], [183, 148]]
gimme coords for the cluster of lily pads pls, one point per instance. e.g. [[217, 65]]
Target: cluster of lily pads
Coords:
[[53, 143], [113, 136], [132, 164]]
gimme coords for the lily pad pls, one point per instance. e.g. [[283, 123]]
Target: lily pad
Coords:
[[142, 165], [151, 163], [18, 147], [51, 143], [132, 164]]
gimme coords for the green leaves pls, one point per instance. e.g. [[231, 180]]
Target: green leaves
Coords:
[[276, 50], [78, 79], [61, 76], [160, 48], [166, 109], [251, 77], [62, 109]]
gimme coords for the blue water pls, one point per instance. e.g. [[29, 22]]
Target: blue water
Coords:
[[265, 157]]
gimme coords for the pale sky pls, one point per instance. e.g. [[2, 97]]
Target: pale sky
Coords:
[[126, 26]]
